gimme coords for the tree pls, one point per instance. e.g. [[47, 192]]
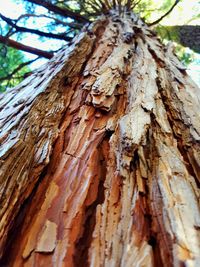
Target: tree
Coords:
[[187, 35], [12, 67], [100, 153]]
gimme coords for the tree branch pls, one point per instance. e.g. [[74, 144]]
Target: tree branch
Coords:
[[58, 21], [44, 34], [185, 35], [134, 4], [59, 10], [167, 13], [25, 48], [22, 65]]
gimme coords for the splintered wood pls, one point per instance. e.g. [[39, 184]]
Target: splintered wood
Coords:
[[100, 156]]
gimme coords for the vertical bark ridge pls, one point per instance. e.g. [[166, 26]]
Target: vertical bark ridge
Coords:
[[30, 115]]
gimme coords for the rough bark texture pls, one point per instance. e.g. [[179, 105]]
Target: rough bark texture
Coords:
[[100, 156]]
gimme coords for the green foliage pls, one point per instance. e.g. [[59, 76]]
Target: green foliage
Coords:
[[168, 32], [184, 54], [151, 9], [171, 33], [10, 59]]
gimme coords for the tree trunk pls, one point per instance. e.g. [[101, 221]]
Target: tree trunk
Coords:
[[189, 35], [100, 156], [186, 35]]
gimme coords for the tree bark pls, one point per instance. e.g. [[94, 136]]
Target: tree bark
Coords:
[[100, 155]]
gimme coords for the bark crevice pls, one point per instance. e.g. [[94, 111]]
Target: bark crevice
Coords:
[[81, 257]]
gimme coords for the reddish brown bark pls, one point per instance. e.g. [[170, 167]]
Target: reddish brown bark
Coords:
[[101, 146]]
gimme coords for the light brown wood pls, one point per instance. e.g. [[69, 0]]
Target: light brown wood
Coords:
[[100, 155]]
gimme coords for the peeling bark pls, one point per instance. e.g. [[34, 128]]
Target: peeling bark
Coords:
[[100, 156]]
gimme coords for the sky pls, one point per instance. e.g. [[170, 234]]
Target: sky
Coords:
[[13, 9], [182, 14]]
